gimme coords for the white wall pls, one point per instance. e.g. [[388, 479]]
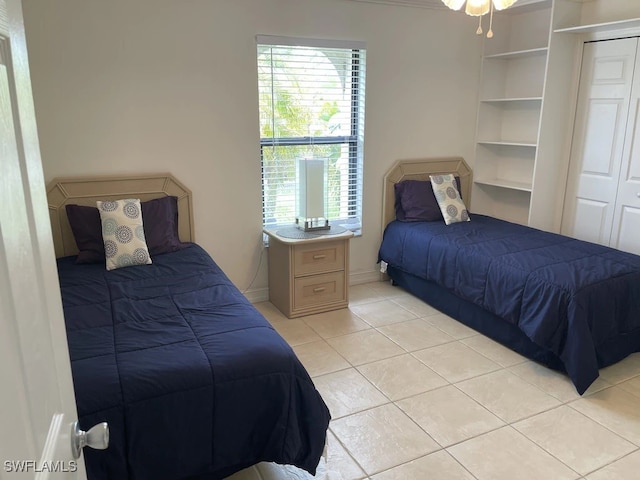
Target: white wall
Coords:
[[600, 11], [133, 86]]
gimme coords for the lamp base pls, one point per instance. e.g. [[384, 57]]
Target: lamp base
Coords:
[[312, 224]]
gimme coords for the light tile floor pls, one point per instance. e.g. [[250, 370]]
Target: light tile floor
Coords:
[[416, 395]]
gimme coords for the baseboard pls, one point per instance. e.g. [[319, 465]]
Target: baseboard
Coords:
[[257, 295], [364, 277]]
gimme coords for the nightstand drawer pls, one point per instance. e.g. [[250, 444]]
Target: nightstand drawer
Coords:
[[319, 289], [324, 257]]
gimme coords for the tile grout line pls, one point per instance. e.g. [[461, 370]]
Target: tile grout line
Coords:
[[344, 447]]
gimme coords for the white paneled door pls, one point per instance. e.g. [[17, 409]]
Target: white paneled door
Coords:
[[626, 221], [36, 390], [601, 147]]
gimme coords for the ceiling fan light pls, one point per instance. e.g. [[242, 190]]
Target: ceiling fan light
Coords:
[[502, 4], [455, 4], [477, 8]]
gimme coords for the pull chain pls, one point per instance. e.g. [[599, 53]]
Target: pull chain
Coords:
[[490, 32]]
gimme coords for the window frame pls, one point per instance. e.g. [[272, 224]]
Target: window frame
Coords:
[[354, 141]]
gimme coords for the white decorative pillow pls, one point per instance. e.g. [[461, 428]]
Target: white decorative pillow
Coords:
[[123, 233], [451, 205]]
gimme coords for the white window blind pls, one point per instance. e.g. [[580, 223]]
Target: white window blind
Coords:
[[311, 106]]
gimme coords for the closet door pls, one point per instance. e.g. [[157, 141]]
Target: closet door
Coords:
[[626, 222], [599, 140]]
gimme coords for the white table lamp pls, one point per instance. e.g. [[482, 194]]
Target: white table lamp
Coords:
[[311, 194]]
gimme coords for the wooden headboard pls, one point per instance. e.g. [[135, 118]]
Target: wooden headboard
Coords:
[[87, 190], [420, 170]]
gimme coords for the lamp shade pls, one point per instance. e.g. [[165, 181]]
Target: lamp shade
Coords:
[[477, 8], [311, 183], [502, 4], [454, 4]]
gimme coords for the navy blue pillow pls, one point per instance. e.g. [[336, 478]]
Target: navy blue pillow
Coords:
[[416, 202], [160, 221], [159, 217]]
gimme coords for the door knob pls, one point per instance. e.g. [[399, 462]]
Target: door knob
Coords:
[[97, 437]]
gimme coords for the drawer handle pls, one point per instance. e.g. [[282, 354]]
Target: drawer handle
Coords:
[[319, 289], [319, 257]]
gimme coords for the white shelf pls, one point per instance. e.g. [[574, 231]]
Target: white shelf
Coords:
[[514, 100], [508, 144], [601, 27], [531, 52], [498, 182]]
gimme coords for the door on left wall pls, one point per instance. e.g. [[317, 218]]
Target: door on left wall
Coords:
[[36, 389]]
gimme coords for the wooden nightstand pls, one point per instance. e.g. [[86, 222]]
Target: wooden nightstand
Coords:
[[308, 275]]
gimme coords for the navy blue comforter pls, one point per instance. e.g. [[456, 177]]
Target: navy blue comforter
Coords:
[[192, 379], [573, 298]]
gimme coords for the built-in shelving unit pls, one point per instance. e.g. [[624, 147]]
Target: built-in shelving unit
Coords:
[[527, 97], [511, 96]]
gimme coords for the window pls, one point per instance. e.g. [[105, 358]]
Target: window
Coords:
[[311, 106]]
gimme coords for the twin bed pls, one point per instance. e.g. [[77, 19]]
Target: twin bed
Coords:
[[192, 379], [571, 305]]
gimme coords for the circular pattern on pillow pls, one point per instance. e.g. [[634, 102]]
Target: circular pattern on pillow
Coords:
[[124, 260], [452, 193], [140, 233], [452, 210], [140, 256], [109, 226], [109, 206], [110, 248], [131, 210], [437, 179], [123, 234]]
